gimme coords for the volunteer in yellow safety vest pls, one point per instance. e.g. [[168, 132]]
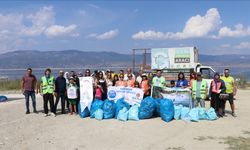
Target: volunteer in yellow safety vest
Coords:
[[158, 82], [199, 91], [230, 90], [47, 88]]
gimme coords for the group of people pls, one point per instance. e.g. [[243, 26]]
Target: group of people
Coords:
[[221, 89], [66, 88]]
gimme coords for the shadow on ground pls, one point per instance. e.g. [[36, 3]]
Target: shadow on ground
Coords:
[[234, 143]]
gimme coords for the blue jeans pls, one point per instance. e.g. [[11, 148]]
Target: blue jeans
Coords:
[[27, 95]]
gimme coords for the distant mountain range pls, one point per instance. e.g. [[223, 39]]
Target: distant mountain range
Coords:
[[78, 59]]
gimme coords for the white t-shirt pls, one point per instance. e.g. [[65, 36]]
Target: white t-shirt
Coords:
[[126, 77], [72, 92]]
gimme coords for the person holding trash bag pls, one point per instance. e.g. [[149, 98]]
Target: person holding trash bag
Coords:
[[230, 90], [199, 91], [158, 83], [47, 88], [216, 89]]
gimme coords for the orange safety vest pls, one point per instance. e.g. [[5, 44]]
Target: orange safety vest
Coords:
[[214, 88], [131, 83], [145, 86]]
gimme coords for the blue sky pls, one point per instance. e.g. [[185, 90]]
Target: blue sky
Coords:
[[215, 27]]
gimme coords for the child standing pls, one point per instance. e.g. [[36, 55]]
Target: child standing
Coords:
[[98, 91], [72, 95]]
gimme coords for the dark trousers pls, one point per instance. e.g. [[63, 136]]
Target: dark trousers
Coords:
[[157, 92], [216, 102], [48, 98], [62, 97], [27, 95]]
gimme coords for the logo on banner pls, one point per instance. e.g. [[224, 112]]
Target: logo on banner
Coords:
[[112, 94]]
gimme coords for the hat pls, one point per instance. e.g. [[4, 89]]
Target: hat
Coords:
[[71, 78], [143, 74]]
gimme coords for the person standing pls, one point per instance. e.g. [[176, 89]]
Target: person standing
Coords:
[[139, 77], [144, 85], [121, 81], [60, 91], [181, 82], [29, 89], [72, 95], [230, 90], [131, 81], [102, 82], [129, 71], [217, 87], [158, 83], [109, 80], [199, 91], [47, 88], [116, 78]]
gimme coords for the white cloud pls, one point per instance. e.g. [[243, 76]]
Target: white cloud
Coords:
[[58, 30], [196, 26], [243, 45], [106, 35], [93, 6], [16, 28], [239, 31], [40, 20]]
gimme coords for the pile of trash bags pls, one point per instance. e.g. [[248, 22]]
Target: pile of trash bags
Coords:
[[3, 98], [148, 108], [194, 114]]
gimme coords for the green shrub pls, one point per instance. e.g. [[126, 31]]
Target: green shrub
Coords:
[[10, 85]]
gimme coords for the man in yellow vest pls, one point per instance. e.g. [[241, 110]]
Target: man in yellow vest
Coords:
[[230, 90], [47, 88], [199, 91], [158, 83]]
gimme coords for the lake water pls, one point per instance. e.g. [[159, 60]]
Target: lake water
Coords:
[[18, 73]]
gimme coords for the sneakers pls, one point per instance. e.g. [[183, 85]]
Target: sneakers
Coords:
[[46, 115], [53, 114], [27, 112], [234, 115], [35, 111]]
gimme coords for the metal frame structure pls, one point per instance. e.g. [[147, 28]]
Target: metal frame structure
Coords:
[[144, 56]]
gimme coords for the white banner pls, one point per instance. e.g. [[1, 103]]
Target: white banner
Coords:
[[86, 92], [178, 95], [130, 95]]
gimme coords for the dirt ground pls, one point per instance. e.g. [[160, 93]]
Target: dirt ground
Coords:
[[19, 131]]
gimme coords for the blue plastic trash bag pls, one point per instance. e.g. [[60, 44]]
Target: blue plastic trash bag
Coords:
[[123, 114], [157, 110], [96, 104], [184, 112], [83, 114], [177, 112], [133, 113], [99, 114], [211, 114], [3, 98], [108, 109], [202, 114], [147, 108], [166, 110], [194, 115], [119, 106]]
